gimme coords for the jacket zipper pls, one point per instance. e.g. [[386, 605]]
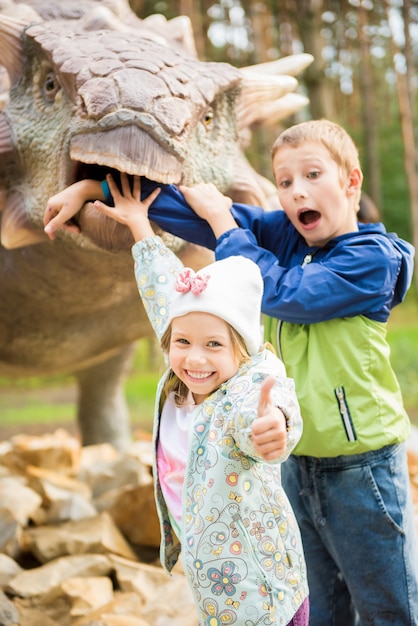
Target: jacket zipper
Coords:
[[279, 348], [345, 414], [306, 260], [271, 608]]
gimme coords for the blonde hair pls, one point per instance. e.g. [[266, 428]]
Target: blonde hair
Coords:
[[332, 136], [173, 384]]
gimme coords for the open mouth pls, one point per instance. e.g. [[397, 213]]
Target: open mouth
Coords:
[[309, 217], [129, 149]]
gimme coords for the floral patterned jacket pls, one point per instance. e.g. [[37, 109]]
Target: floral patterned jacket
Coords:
[[242, 551]]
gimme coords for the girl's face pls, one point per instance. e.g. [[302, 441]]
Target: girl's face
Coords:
[[317, 201], [201, 353]]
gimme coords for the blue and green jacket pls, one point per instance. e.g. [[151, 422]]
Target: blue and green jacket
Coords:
[[326, 311]]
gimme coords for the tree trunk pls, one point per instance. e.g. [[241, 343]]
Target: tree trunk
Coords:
[[307, 14], [368, 111], [409, 59], [410, 148]]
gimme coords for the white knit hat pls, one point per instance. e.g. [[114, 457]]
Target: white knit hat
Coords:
[[230, 289]]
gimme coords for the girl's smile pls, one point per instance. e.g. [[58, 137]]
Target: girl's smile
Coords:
[[199, 375]]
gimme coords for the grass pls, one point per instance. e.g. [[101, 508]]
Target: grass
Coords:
[[42, 400]]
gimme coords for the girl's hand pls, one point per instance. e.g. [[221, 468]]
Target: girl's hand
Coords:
[[269, 429], [65, 204], [129, 209]]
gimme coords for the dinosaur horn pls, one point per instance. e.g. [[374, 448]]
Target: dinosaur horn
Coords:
[[269, 113], [178, 30], [290, 65], [11, 30], [258, 94], [266, 91]]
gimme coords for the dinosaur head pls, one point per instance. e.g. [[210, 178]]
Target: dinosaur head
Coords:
[[90, 98]]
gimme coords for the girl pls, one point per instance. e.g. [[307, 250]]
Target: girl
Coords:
[[223, 406]]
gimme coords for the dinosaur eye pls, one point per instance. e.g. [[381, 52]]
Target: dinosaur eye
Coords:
[[208, 118], [51, 86]]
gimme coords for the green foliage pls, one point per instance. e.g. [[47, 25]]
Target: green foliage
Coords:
[[404, 357], [396, 207]]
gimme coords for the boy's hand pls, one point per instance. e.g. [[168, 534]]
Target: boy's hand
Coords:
[[211, 205], [129, 209], [269, 429]]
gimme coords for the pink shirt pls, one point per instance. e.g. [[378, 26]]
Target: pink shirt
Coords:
[[172, 454]]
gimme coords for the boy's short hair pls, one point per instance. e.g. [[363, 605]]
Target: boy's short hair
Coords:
[[332, 136]]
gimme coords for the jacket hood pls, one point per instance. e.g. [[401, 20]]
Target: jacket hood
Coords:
[[406, 252]]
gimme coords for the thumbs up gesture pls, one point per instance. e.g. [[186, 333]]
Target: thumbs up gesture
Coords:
[[269, 429]]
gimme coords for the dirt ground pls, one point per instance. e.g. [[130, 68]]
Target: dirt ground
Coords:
[[9, 430]]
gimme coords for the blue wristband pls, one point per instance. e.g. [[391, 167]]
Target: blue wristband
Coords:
[[106, 192]]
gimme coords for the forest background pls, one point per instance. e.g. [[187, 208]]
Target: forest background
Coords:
[[364, 76]]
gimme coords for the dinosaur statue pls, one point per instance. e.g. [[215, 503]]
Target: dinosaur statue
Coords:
[[90, 87]]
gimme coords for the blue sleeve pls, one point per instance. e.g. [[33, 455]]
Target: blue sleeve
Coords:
[[357, 276], [171, 212]]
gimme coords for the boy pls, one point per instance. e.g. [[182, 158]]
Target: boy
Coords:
[[332, 283]]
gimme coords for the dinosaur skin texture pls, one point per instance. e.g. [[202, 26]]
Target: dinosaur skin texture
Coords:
[[87, 88]]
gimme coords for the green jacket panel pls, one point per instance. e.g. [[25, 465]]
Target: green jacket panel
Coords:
[[348, 393]]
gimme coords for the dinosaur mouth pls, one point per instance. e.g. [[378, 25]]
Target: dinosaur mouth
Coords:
[[128, 150]]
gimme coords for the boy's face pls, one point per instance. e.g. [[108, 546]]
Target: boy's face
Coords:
[[319, 205]]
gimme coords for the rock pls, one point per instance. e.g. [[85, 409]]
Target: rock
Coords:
[[134, 512], [20, 501], [94, 535], [81, 594], [124, 610], [63, 497], [151, 584], [9, 615], [10, 534], [41, 580], [18, 504], [110, 475], [94, 454], [8, 569], [87, 571], [56, 451]]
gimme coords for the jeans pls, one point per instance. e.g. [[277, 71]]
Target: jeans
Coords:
[[357, 523]]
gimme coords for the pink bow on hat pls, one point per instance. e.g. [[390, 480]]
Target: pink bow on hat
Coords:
[[188, 280]]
